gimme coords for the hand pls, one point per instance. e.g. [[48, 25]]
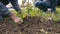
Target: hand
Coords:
[[16, 19], [49, 10]]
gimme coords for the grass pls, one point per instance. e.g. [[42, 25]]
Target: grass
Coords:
[[33, 11]]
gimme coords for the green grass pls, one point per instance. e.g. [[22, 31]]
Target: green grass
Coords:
[[33, 11]]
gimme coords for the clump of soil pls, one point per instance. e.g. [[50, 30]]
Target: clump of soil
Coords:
[[30, 25]]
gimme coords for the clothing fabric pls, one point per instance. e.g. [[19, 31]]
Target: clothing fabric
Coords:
[[44, 4], [4, 10]]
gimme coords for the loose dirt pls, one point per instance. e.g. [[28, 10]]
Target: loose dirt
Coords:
[[30, 25]]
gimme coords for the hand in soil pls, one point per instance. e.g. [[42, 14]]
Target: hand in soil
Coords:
[[15, 19]]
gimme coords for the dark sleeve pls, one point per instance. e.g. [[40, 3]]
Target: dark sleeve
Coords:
[[15, 5]]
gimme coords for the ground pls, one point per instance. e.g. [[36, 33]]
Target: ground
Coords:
[[35, 21], [30, 25]]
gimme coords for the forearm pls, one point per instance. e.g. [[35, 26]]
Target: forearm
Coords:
[[15, 5]]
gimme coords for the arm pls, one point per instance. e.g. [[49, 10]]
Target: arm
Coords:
[[15, 5]]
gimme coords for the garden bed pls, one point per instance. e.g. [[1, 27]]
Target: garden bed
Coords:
[[30, 25]]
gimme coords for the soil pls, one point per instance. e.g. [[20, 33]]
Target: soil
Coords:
[[30, 25]]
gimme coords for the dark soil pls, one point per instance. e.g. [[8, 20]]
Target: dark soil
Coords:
[[30, 25]]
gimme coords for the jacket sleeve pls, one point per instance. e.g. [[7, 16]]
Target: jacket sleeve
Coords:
[[15, 5]]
